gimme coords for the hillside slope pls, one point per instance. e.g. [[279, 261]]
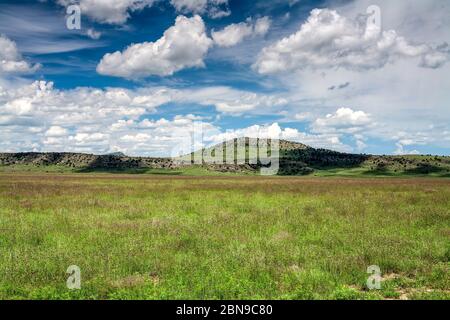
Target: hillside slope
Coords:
[[83, 161], [295, 159]]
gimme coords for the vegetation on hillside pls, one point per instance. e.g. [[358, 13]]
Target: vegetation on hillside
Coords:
[[294, 158]]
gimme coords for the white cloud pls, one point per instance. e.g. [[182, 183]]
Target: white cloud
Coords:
[[360, 145], [328, 40], [101, 121], [399, 96], [159, 137], [436, 59], [93, 34], [94, 137], [262, 26], [139, 137], [27, 115], [345, 120], [303, 116], [39, 117], [237, 107], [109, 11], [237, 32], [183, 45], [401, 150], [232, 34], [425, 21], [232, 101], [117, 12], [11, 60], [39, 104], [213, 8], [274, 131], [19, 106], [56, 131]]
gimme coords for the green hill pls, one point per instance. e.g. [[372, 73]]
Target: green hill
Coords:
[[294, 159]]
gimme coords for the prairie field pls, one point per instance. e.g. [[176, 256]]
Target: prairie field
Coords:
[[222, 237]]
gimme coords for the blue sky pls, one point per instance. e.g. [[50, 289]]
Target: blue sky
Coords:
[[140, 74]]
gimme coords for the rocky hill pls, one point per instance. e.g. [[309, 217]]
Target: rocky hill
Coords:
[[295, 159], [83, 161]]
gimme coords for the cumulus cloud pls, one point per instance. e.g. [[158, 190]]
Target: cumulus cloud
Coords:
[[237, 32], [328, 40], [213, 8], [39, 117], [109, 11], [70, 118], [407, 141], [274, 131], [117, 12], [232, 34], [344, 120], [56, 131], [11, 60], [183, 45], [162, 137]]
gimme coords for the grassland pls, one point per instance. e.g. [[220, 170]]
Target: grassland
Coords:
[[57, 169], [222, 237]]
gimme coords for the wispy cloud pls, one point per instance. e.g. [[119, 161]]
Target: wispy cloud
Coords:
[[38, 31]]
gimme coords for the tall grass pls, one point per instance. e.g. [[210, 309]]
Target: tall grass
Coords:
[[162, 237]]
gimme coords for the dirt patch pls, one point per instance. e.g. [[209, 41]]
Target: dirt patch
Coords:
[[136, 280]]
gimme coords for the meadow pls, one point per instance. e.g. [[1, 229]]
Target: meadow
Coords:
[[162, 236]]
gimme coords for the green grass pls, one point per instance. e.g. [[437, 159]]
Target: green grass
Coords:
[[355, 172], [194, 170], [168, 237], [361, 172], [36, 169]]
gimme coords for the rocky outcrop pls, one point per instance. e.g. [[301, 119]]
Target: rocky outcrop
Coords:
[[294, 159], [84, 161]]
